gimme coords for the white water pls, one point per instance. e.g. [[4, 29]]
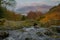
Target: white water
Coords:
[[29, 33]]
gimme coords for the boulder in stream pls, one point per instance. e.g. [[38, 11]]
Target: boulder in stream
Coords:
[[4, 35]]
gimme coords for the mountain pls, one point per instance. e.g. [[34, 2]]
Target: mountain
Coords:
[[26, 9], [52, 16]]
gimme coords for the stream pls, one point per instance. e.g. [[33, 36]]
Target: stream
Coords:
[[29, 34]]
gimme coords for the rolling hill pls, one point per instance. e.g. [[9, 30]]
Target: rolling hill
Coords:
[[52, 16]]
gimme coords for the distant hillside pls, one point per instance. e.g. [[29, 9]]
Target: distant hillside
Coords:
[[26, 9], [52, 16]]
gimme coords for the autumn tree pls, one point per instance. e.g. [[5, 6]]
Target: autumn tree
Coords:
[[23, 17], [34, 15]]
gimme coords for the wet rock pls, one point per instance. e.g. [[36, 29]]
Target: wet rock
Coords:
[[56, 29], [9, 38], [35, 25], [22, 30], [28, 38], [48, 33], [40, 34], [4, 35]]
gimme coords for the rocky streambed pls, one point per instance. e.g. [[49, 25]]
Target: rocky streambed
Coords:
[[31, 34]]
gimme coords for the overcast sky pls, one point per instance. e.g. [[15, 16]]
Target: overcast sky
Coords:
[[22, 3]]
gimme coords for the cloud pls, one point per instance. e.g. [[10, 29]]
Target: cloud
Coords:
[[55, 0], [22, 3], [30, 4]]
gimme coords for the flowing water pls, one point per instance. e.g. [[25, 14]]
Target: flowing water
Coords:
[[29, 34]]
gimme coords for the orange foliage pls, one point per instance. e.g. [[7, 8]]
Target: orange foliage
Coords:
[[9, 15], [33, 15]]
